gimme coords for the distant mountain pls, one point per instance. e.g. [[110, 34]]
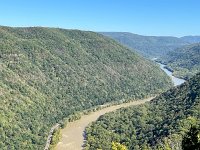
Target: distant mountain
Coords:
[[191, 39], [47, 74], [184, 61], [160, 124], [148, 46]]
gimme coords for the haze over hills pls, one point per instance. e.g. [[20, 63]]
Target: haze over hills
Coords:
[[191, 39], [48, 73], [160, 124], [148, 46], [184, 61]]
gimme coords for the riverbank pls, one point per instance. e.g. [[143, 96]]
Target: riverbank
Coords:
[[177, 81], [72, 135], [50, 136]]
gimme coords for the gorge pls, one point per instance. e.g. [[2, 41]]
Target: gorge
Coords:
[[73, 134], [175, 80]]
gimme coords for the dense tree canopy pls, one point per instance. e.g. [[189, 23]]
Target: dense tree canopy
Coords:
[[191, 139], [159, 124], [184, 61], [148, 46], [47, 74]]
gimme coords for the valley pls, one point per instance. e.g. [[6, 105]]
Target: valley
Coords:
[[184, 61], [49, 74], [175, 80], [73, 134], [161, 123], [100, 75], [148, 46]]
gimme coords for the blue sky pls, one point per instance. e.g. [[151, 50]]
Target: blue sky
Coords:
[[146, 17]]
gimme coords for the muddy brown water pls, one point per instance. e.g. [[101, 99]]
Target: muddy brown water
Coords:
[[72, 135]]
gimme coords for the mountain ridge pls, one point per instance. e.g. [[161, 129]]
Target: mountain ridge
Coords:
[[160, 124], [148, 46], [191, 39], [48, 74], [184, 61]]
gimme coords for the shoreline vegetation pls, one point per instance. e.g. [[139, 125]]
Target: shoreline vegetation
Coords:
[[86, 112], [48, 74], [162, 123], [184, 61], [73, 134], [176, 80], [169, 69], [54, 132]]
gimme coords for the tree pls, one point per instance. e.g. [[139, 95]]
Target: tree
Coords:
[[191, 140], [118, 146]]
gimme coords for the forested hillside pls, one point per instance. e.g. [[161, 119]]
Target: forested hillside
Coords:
[[191, 39], [47, 74], [148, 46], [184, 61], [159, 124]]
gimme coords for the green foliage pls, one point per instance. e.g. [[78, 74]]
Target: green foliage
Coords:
[[184, 61], [148, 46], [191, 139], [118, 146], [55, 138], [48, 74], [159, 124]]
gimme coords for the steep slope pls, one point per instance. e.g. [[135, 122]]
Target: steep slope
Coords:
[[47, 74], [148, 46], [184, 61], [191, 39], [159, 124]]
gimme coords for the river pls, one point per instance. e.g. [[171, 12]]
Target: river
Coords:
[[72, 135], [176, 81]]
